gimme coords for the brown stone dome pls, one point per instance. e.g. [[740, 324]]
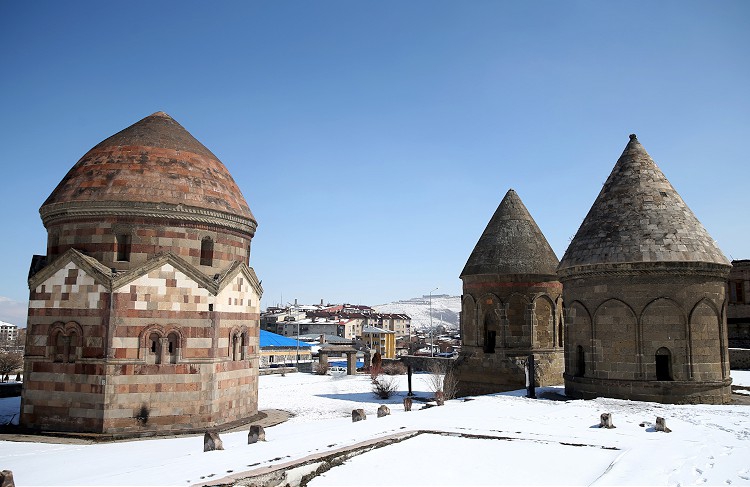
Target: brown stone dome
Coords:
[[153, 165]]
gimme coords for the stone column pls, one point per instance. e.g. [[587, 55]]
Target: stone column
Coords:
[[351, 363]]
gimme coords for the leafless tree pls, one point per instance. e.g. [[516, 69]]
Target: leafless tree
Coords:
[[443, 378], [9, 363]]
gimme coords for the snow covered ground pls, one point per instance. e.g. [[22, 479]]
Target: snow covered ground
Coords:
[[502, 439]]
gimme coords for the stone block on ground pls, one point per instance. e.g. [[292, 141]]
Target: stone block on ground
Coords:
[[440, 398], [256, 434], [383, 410], [407, 403], [211, 441], [605, 421], [358, 415], [6, 479], [661, 425]]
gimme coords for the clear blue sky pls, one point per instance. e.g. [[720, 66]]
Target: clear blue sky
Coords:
[[374, 140]]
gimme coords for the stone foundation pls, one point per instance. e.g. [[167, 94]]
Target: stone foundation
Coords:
[[480, 373], [667, 392]]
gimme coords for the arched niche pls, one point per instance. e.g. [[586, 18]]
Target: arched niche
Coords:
[[578, 339], [708, 359], [663, 326], [615, 333], [469, 332], [544, 325], [491, 310]]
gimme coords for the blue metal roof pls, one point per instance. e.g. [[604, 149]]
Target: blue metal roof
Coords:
[[272, 340]]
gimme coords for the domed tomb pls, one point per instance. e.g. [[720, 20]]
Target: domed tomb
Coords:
[[511, 305], [143, 315], [644, 287]]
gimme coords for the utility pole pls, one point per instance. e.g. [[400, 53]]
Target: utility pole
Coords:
[[432, 330]]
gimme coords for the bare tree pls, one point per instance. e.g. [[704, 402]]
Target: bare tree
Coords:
[[9, 363], [443, 378]]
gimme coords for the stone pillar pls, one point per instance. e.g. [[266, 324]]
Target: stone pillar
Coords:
[[163, 351], [351, 363]]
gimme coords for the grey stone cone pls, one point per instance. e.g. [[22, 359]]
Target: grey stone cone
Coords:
[[639, 217], [511, 244]]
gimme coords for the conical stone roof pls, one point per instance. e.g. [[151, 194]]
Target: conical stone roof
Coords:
[[153, 162], [511, 244], [639, 217]]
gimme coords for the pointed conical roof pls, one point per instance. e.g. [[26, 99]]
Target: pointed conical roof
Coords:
[[512, 243], [155, 160], [639, 217]]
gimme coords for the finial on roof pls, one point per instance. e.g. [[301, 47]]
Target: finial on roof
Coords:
[[160, 114], [633, 137]]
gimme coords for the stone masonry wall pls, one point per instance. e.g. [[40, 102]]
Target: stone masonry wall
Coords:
[[622, 323], [97, 238]]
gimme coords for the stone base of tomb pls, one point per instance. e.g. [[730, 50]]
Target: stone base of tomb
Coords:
[[504, 370], [667, 392]]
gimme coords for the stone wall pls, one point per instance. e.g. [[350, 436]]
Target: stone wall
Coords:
[[505, 319], [178, 356], [98, 239], [659, 324], [739, 358]]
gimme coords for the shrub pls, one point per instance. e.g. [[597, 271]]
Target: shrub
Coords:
[[384, 387], [320, 368]]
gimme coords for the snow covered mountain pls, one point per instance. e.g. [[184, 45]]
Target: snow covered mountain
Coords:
[[445, 310]]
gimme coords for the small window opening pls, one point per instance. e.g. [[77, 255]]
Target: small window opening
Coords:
[[207, 251], [242, 346], [155, 348], [172, 346], [580, 362], [235, 346], [72, 348], [490, 336], [122, 246]]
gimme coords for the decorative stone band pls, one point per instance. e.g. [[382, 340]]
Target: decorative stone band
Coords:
[[484, 285], [655, 269], [74, 210]]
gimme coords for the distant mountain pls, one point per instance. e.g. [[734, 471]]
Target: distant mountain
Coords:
[[445, 310]]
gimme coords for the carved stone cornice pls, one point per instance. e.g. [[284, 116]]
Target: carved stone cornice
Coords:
[[60, 212], [650, 269]]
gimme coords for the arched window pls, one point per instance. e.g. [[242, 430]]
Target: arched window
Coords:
[[207, 251], [153, 356], [242, 346], [235, 347], [580, 362], [72, 347], [173, 344], [663, 364], [59, 341]]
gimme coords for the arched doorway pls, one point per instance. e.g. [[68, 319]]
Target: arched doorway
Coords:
[[663, 364]]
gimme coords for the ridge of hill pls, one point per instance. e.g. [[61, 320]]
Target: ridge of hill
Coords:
[[445, 310]]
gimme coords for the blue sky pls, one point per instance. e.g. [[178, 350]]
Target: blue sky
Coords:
[[374, 140]]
